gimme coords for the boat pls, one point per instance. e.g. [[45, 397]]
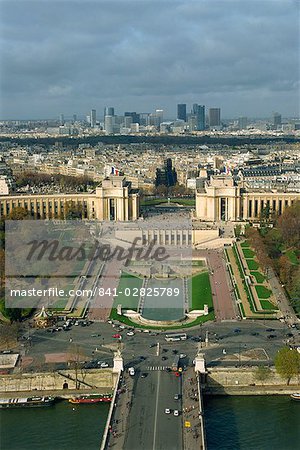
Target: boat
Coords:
[[26, 402], [295, 396], [91, 398]]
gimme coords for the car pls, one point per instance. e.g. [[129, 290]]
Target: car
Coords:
[[122, 327], [176, 396], [176, 412], [164, 358], [254, 333], [146, 331], [271, 336], [76, 323], [237, 330], [6, 352], [175, 352], [182, 355], [289, 335], [103, 365], [95, 335], [117, 336], [152, 345], [144, 375], [167, 411], [130, 333], [270, 330], [142, 358], [164, 350]]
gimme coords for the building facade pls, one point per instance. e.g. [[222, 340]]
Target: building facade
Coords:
[[114, 200], [222, 199]]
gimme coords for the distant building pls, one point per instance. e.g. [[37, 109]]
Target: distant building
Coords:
[[242, 123], [134, 116], [109, 111], [277, 120], [93, 118], [214, 117], [181, 111], [199, 112], [109, 122], [166, 175]]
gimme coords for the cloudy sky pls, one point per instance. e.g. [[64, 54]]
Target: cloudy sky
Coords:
[[67, 56]]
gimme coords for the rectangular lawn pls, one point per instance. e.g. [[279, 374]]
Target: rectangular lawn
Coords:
[[201, 291], [262, 291], [252, 264]]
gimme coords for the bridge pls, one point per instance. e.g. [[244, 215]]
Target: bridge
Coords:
[[143, 412]]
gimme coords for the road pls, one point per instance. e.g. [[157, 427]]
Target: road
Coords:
[[95, 341], [149, 427]]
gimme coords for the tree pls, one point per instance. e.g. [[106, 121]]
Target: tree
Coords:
[[287, 363], [262, 373], [19, 213], [9, 335], [289, 224], [76, 359], [73, 210]]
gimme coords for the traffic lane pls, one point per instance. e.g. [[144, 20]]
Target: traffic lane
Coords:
[[139, 433], [150, 428], [169, 427]]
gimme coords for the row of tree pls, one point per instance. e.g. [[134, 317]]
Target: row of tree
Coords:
[[272, 247]]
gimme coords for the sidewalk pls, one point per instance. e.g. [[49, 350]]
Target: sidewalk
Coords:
[[192, 439], [121, 415]]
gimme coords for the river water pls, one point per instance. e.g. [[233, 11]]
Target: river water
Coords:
[[232, 423], [60, 427], [252, 423]]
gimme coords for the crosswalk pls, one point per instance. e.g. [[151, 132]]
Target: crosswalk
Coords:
[[152, 368]]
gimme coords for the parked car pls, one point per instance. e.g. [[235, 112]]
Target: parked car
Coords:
[[176, 412], [167, 411], [117, 336]]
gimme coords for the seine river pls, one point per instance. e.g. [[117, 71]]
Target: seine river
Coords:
[[252, 423], [232, 423], [61, 427]]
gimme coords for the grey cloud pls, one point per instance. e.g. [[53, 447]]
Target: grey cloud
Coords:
[[70, 56]]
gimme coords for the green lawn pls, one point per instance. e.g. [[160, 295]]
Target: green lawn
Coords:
[[258, 277], [158, 201], [245, 244], [265, 304], [201, 291], [252, 264], [291, 254], [129, 282], [262, 291], [248, 253]]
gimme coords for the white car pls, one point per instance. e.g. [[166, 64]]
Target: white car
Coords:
[[130, 333], [103, 365], [167, 411], [176, 412], [182, 355]]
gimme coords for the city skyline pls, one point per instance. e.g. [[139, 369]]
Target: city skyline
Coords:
[[228, 55]]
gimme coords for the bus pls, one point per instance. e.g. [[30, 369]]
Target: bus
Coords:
[[175, 364], [176, 337]]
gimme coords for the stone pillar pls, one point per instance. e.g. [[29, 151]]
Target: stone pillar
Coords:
[[118, 362], [200, 363]]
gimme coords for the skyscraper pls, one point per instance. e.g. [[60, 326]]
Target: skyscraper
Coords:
[[93, 118], [199, 112], [181, 111], [214, 117], [109, 111], [167, 175], [277, 120]]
